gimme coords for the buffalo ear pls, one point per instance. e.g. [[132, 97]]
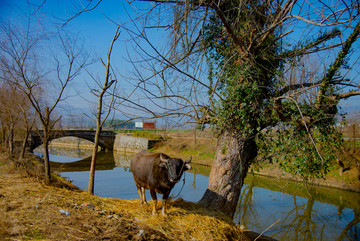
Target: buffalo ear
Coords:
[[162, 165], [187, 167]]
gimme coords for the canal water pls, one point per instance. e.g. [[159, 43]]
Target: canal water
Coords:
[[286, 210]]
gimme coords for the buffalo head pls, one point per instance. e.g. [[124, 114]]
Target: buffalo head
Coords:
[[174, 166]]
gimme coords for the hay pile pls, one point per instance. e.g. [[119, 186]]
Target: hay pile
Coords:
[[185, 220], [31, 210]]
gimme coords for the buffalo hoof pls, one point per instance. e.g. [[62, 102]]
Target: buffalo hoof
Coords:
[[144, 203]]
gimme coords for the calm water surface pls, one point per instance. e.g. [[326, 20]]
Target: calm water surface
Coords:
[[287, 210]]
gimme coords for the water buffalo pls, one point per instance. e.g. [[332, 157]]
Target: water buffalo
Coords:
[[157, 172]]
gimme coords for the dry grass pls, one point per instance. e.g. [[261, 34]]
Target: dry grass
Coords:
[[185, 220], [31, 210]]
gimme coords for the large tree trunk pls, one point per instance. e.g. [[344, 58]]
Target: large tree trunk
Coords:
[[232, 160]]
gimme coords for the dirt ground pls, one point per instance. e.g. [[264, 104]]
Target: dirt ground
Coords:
[[31, 210]]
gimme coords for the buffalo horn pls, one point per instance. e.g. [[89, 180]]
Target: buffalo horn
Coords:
[[188, 161], [164, 160]]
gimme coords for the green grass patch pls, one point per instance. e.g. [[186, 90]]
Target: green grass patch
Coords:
[[34, 234], [210, 155], [147, 134], [350, 143]]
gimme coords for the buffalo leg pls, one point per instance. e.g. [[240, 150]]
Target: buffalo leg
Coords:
[[139, 189], [164, 200], [143, 195], [154, 198]]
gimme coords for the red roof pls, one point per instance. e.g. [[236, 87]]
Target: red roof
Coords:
[[149, 126]]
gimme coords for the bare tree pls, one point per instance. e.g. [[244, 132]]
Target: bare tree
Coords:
[[100, 118], [16, 116], [9, 102], [41, 70]]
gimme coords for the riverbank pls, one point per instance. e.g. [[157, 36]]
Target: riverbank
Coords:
[[203, 152], [33, 211]]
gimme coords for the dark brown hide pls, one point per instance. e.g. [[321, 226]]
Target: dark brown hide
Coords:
[[157, 172]]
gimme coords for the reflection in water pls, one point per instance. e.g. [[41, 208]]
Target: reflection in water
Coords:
[[72, 153], [296, 217], [297, 212], [105, 161]]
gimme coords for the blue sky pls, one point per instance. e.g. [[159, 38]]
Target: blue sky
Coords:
[[96, 31], [94, 28]]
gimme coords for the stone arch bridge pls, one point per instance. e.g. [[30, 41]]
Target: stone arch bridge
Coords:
[[106, 140]]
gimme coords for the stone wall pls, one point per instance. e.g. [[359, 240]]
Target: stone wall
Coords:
[[125, 143]]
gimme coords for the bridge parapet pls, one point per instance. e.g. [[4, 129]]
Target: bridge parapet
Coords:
[[106, 140]]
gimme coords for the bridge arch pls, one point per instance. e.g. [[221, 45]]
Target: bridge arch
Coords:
[[106, 140]]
